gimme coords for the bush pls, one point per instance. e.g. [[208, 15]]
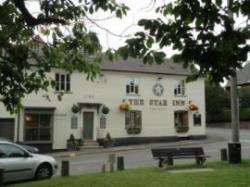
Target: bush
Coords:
[[225, 116], [107, 141]]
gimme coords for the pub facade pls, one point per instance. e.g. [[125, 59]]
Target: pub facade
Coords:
[[132, 102]]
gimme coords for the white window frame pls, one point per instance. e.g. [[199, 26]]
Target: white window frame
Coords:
[[133, 86], [180, 88], [63, 85]]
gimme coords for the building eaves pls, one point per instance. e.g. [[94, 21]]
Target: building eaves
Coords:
[[137, 66]]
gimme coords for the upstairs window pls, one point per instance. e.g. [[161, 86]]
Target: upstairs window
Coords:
[[132, 86], [62, 82], [180, 89]]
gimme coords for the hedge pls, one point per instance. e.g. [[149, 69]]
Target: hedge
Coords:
[[225, 116]]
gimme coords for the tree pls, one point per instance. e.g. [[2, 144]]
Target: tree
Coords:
[[70, 45], [244, 96], [217, 100], [204, 33], [201, 31]]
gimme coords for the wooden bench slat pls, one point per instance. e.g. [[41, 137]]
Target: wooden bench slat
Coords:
[[179, 153]]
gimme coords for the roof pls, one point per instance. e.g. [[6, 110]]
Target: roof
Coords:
[[137, 66], [243, 76]]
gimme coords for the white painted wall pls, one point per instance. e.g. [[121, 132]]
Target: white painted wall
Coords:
[[111, 90]]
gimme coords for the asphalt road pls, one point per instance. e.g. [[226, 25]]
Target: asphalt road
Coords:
[[141, 156]]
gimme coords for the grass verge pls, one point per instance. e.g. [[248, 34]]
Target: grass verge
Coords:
[[224, 174]]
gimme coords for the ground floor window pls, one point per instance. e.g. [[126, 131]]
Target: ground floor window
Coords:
[[181, 121], [38, 127], [133, 121]]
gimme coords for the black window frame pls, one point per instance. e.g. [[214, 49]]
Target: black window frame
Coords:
[[133, 121], [39, 127], [177, 114], [197, 119]]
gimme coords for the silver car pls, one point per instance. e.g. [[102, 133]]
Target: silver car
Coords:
[[20, 164]]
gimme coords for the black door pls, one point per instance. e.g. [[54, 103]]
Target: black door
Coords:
[[88, 125], [7, 129]]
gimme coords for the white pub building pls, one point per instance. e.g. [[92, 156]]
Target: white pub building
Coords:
[[133, 102]]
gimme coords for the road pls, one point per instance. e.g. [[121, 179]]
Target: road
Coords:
[[217, 139]]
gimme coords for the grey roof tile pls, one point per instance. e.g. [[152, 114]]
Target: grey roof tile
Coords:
[[137, 66], [243, 75]]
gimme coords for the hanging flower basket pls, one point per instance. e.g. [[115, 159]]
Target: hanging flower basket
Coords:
[[124, 107], [193, 107]]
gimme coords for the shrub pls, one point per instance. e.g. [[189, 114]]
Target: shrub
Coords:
[[225, 116]]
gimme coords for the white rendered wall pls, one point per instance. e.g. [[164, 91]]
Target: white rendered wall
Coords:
[[157, 121]]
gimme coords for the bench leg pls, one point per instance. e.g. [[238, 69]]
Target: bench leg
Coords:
[[170, 161], [165, 162], [160, 163], [200, 161]]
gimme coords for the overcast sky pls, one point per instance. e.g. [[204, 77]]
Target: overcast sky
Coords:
[[125, 26], [111, 27]]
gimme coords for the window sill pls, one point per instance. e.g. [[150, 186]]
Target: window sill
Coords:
[[180, 95], [63, 92], [199, 125], [134, 95]]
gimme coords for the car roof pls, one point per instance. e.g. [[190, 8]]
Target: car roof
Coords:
[[4, 141]]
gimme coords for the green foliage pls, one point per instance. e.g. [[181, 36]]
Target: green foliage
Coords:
[[244, 95], [217, 100], [225, 116], [70, 46], [245, 114], [191, 27], [218, 103]]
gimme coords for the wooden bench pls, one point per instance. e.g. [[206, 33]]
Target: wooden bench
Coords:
[[166, 155]]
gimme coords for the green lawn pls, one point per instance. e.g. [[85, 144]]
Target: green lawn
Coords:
[[225, 175]]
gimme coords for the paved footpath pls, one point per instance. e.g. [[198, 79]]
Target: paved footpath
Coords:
[[140, 156]]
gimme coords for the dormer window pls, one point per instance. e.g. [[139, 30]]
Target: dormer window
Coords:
[[62, 82], [132, 86], [180, 89]]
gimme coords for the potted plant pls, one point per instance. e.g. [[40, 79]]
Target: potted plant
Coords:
[[108, 141], [73, 144]]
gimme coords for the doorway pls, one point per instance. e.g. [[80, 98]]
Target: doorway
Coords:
[[7, 129], [88, 125]]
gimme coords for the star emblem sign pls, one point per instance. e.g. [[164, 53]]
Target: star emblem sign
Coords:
[[158, 89]]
